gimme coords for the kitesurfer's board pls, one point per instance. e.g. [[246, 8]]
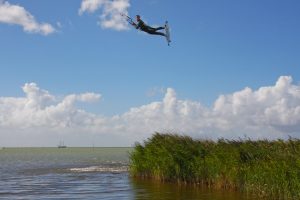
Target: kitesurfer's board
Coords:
[[167, 30]]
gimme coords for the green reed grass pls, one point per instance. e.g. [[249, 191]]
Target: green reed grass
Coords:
[[269, 169]]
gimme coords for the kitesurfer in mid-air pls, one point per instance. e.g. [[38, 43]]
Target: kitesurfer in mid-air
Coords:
[[148, 29]]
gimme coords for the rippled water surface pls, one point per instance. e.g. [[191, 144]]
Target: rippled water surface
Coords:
[[85, 173]]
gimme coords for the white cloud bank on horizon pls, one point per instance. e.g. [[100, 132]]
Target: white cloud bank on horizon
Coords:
[[111, 9], [15, 14], [41, 118]]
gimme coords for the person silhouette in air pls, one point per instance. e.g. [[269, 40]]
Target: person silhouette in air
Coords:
[[148, 29]]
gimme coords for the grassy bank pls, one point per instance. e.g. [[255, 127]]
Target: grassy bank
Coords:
[[266, 168]]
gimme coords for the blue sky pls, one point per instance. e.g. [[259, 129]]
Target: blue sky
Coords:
[[218, 47]]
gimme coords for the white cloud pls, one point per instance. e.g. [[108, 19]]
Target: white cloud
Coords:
[[90, 6], [274, 109], [43, 110], [268, 112], [111, 9], [15, 14]]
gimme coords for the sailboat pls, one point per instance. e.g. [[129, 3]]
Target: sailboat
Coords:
[[62, 145]]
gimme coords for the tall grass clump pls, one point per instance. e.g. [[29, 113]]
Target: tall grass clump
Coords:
[[266, 168]]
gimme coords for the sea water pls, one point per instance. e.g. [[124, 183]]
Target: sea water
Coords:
[[85, 173]]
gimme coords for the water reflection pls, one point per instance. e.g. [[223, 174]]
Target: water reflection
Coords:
[[147, 189]]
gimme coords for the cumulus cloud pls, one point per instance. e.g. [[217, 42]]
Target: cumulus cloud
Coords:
[[40, 109], [110, 17], [268, 112], [15, 14], [276, 107]]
